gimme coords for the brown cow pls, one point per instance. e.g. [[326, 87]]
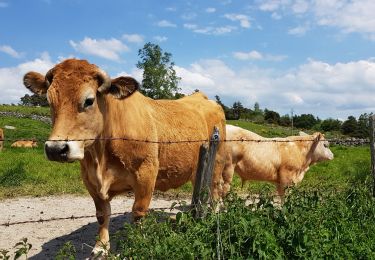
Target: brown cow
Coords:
[[25, 144], [86, 105], [1, 139], [283, 161]]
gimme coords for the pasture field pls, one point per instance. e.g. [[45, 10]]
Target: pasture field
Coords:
[[329, 215], [42, 111], [26, 172]]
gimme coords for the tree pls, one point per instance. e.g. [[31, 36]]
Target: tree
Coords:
[[306, 121], [330, 124], [349, 127], [285, 120], [237, 109], [34, 100], [271, 116], [159, 77]]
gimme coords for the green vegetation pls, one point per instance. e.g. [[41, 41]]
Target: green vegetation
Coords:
[[25, 171], [26, 110], [329, 215], [313, 225]]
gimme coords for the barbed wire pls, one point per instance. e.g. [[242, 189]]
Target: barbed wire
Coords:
[[72, 217], [265, 140]]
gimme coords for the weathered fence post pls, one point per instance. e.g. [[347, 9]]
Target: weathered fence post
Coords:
[[372, 148], [203, 178]]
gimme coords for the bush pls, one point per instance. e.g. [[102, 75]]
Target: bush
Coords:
[[308, 225]]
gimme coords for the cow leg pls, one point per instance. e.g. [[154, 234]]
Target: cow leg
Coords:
[[228, 173], [143, 189], [103, 212]]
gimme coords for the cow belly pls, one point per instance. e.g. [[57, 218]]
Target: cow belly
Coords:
[[172, 177]]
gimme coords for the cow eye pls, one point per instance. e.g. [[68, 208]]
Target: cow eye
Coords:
[[88, 102]]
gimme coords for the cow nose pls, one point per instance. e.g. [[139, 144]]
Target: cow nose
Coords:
[[56, 150]]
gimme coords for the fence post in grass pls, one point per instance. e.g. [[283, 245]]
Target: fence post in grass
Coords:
[[372, 148], [203, 178]]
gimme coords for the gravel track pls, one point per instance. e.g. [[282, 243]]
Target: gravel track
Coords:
[[49, 236]]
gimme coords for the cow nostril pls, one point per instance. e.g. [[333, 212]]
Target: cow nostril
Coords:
[[65, 149]]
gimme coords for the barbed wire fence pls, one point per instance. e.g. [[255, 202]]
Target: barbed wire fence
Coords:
[[203, 157]]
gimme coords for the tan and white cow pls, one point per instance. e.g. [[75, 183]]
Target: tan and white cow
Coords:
[[25, 144], [1, 139], [283, 161], [86, 105]]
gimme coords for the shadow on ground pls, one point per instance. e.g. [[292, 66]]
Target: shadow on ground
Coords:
[[83, 239]]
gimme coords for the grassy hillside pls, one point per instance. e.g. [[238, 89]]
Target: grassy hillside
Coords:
[[43, 111]]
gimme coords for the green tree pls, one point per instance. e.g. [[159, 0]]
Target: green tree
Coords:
[[349, 127], [159, 77], [306, 121], [34, 100], [331, 124], [271, 116], [237, 109], [285, 120]]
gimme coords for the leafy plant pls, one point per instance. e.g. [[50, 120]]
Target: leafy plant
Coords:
[[22, 248]]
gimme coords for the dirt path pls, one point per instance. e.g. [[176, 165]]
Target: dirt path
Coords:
[[48, 237]]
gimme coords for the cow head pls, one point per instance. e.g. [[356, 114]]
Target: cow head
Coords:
[[321, 151], [76, 92]]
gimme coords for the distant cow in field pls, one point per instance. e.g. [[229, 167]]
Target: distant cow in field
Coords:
[[88, 107], [1, 139], [283, 161], [25, 144]]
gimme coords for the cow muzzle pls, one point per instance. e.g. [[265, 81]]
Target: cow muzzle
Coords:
[[64, 151]]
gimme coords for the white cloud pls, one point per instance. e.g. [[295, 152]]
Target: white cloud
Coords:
[[192, 79], [10, 51], [300, 6], [348, 16], [323, 89], [210, 30], [252, 55], [160, 38], [107, 49], [210, 10], [190, 26], [189, 16], [243, 19], [134, 38], [11, 85], [255, 55], [165, 23], [299, 30]]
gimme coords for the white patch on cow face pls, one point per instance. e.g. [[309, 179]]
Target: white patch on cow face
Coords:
[[322, 151], [76, 150], [64, 151]]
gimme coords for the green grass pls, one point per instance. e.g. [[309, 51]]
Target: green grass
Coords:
[[266, 130], [43, 111], [26, 172], [25, 129]]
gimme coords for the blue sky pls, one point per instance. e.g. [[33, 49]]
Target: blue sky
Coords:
[[312, 56]]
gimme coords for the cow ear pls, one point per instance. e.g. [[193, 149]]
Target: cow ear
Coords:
[[36, 83], [122, 87], [318, 136]]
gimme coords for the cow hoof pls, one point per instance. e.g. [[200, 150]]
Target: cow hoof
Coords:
[[98, 254]]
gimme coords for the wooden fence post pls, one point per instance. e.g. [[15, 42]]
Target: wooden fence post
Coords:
[[203, 178], [372, 148]]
